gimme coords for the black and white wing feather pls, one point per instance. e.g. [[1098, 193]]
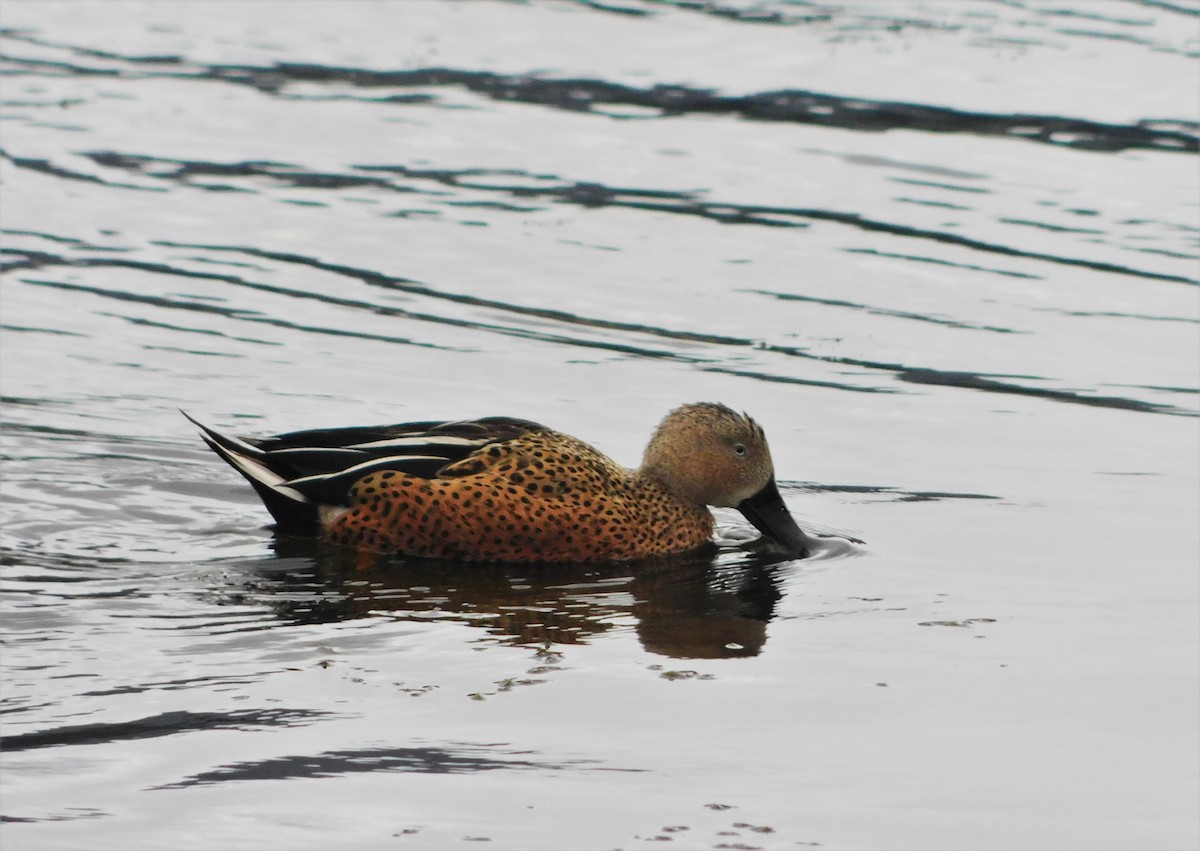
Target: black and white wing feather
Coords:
[[295, 474]]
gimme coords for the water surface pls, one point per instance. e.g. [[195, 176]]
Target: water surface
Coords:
[[946, 253]]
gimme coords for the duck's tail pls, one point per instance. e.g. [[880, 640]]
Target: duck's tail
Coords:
[[294, 512]]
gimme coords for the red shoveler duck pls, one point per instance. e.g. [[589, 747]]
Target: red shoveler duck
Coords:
[[502, 489]]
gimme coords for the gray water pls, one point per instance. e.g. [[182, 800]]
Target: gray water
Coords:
[[946, 253]]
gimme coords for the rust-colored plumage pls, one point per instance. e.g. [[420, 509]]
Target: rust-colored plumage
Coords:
[[501, 489]]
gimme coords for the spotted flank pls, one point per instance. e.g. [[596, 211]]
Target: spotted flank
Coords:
[[502, 489]]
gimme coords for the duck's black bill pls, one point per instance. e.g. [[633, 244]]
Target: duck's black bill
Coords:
[[770, 516]]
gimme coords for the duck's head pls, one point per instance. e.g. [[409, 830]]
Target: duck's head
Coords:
[[707, 454]]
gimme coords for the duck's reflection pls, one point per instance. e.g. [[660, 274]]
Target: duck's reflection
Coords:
[[709, 606], [707, 610]]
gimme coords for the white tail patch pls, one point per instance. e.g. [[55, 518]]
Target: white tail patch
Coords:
[[328, 514]]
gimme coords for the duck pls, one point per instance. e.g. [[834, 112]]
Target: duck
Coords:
[[501, 489]]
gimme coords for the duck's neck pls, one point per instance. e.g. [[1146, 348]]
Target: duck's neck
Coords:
[[661, 478], [657, 496]]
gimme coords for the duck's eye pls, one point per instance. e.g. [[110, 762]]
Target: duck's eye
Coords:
[[738, 449]]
